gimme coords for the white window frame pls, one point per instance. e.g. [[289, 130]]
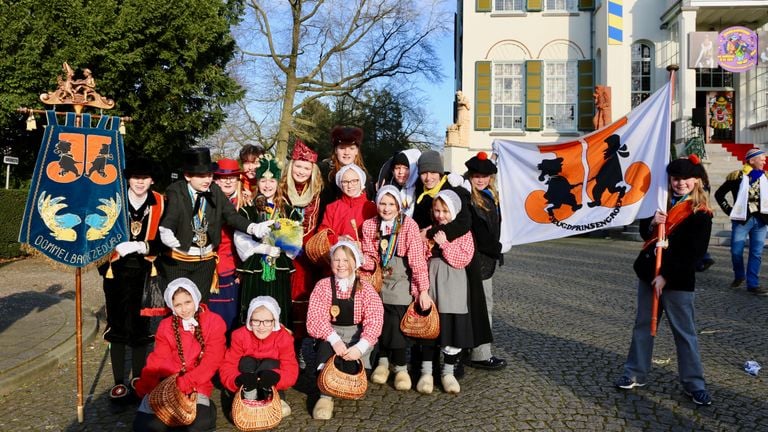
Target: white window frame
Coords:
[[561, 5], [759, 95], [641, 70], [507, 96], [561, 96], [509, 5]]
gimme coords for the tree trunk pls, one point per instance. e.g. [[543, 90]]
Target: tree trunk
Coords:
[[286, 119]]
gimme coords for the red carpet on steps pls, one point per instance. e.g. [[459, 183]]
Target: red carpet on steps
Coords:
[[738, 150]]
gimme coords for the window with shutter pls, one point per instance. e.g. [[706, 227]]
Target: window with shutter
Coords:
[[533, 95], [483, 95], [586, 91], [482, 5]]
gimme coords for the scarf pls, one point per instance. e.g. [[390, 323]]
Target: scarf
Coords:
[[299, 199], [432, 192], [678, 213], [740, 207], [189, 324]]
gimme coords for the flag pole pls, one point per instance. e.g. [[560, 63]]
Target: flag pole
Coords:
[[661, 229]]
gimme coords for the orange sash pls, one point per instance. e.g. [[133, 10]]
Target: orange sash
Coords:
[[676, 214]]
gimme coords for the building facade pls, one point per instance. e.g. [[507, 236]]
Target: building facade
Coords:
[[527, 70]]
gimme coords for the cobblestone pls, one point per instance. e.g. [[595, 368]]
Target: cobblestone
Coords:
[[562, 319]]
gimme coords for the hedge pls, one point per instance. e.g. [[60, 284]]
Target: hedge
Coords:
[[13, 202]]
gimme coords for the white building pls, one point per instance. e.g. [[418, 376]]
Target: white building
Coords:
[[528, 68]]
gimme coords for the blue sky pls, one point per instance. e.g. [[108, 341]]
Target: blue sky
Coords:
[[441, 95]]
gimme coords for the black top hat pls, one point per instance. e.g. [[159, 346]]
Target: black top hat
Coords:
[[141, 167], [196, 160]]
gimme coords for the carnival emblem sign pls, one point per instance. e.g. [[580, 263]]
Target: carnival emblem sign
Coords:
[[605, 179], [75, 210], [737, 49]]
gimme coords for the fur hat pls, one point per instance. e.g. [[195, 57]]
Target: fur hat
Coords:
[[196, 160], [346, 135], [480, 164], [141, 167], [269, 167], [185, 284], [271, 305], [686, 167], [752, 153], [451, 200], [226, 167], [302, 152], [351, 246], [355, 168], [430, 161]]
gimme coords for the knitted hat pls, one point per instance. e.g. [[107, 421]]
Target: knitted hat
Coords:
[[400, 159], [752, 153], [185, 284], [302, 152], [226, 167], [430, 161], [686, 167], [268, 168], [451, 200], [196, 160], [389, 190], [351, 246], [271, 305], [353, 167], [480, 164], [141, 167], [346, 135]]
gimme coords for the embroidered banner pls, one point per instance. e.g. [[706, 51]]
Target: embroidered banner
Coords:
[[605, 179], [75, 208]]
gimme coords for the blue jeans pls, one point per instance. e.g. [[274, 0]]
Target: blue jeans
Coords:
[[755, 229], [678, 307]]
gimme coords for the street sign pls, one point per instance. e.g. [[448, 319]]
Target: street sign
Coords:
[[10, 160]]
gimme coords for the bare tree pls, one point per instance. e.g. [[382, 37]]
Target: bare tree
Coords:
[[302, 50]]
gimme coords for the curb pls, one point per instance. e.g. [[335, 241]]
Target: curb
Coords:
[[17, 376]]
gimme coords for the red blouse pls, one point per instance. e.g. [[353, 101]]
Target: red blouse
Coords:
[[165, 360], [340, 214], [278, 345]]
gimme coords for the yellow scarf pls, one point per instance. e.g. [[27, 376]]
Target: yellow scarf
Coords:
[[432, 192]]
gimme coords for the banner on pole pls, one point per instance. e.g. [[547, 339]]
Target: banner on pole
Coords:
[[605, 179], [75, 209]]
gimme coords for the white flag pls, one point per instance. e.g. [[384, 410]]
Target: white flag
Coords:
[[605, 179]]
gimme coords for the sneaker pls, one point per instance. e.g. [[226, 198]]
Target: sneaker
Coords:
[[758, 291], [737, 282], [700, 397], [625, 382]]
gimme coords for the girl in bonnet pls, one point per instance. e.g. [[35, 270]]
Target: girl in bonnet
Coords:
[[190, 343], [261, 355]]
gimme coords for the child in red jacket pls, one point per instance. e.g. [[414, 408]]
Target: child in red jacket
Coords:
[[261, 355], [191, 343]]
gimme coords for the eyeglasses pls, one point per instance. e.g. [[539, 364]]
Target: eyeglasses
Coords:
[[261, 323], [350, 182]]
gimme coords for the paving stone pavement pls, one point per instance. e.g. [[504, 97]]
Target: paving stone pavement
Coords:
[[563, 314]]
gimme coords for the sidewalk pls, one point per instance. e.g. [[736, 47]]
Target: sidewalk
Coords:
[[37, 318]]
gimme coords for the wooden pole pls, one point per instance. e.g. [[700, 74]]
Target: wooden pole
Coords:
[[79, 318], [661, 227]]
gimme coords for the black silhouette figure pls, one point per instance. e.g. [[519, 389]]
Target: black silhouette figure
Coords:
[[100, 162], [558, 189], [610, 175], [67, 162]]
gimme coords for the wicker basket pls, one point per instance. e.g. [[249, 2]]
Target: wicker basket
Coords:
[[336, 383], [256, 415], [375, 278], [171, 406], [419, 326], [318, 248]]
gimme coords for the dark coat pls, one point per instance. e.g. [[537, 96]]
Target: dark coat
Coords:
[[687, 244], [486, 229], [178, 214], [731, 185], [422, 212]]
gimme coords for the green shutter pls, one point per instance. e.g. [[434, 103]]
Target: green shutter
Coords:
[[534, 75], [534, 6], [586, 5], [483, 95], [586, 105], [482, 5]]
